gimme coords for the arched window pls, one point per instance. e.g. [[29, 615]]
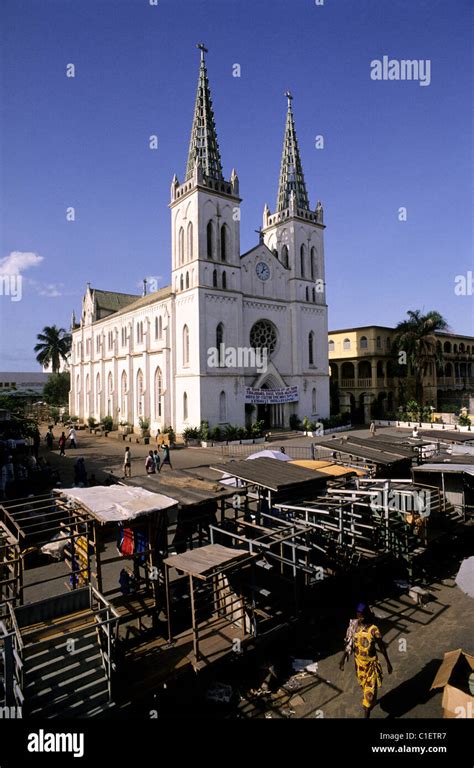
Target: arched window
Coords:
[[97, 395], [139, 393], [314, 295], [214, 278], [307, 293], [224, 280], [313, 401], [158, 393], [331, 346], [220, 343], [284, 256], [275, 253], [78, 395], [302, 259], [181, 283], [447, 346], [210, 240], [378, 342], [110, 395], [185, 345], [190, 241], [313, 263], [224, 242], [455, 349], [185, 406], [187, 279], [123, 398], [363, 342], [139, 332], [311, 348], [346, 344], [156, 328], [181, 246], [160, 327], [222, 407]]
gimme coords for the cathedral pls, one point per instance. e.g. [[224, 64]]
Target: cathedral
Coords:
[[234, 337]]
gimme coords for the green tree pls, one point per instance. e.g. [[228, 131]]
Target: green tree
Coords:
[[416, 336], [56, 389], [54, 345]]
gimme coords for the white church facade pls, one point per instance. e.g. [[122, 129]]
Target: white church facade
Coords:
[[235, 337]]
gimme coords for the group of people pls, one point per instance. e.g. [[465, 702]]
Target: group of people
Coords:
[[24, 473], [62, 442], [153, 462]]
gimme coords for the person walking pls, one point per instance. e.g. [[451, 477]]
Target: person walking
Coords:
[[373, 428], [8, 477], [150, 464], [36, 442], [127, 463], [72, 438], [166, 456], [62, 444], [156, 458], [80, 474], [362, 637], [49, 439]]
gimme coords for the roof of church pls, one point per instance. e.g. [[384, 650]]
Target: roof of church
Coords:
[[144, 301], [111, 301], [203, 145], [291, 171]]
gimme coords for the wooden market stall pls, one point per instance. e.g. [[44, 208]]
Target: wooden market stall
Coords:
[[138, 521]]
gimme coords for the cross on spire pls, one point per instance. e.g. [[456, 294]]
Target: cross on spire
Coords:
[[291, 171], [203, 144]]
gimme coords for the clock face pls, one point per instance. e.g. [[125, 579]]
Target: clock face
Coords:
[[262, 270]]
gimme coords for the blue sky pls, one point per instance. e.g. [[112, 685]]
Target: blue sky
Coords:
[[83, 142]]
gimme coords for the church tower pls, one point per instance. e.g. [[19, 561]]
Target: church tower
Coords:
[[205, 234], [294, 233]]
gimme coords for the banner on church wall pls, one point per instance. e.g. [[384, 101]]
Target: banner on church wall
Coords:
[[271, 396]]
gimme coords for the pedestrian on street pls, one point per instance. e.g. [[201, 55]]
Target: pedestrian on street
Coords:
[[127, 463], [36, 442], [362, 637], [72, 438], [373, 428], [156, 457], [62, 444], [150, 464], [166, 456], [49, 439]]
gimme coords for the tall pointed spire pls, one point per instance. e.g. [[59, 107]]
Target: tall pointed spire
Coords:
[[203, 145], [291, 170]]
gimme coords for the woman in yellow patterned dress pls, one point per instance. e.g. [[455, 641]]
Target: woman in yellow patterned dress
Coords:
[[362, 637]]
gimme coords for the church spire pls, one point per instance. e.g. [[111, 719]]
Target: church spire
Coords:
[[291, 171], [203, 146]]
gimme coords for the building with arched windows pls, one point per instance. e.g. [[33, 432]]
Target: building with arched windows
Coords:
[[234, 337]]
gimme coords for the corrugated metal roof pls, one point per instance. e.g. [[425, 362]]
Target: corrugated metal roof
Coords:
[[197, 562], [270, 473], [445, 435], [366, 450], [328, 468], [467, 468]]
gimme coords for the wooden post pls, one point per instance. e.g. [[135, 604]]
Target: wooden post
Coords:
[[98, 564], [168, 603], [194, 621]]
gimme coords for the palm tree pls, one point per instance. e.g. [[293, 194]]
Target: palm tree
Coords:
[[54, 345], [416, 337]]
